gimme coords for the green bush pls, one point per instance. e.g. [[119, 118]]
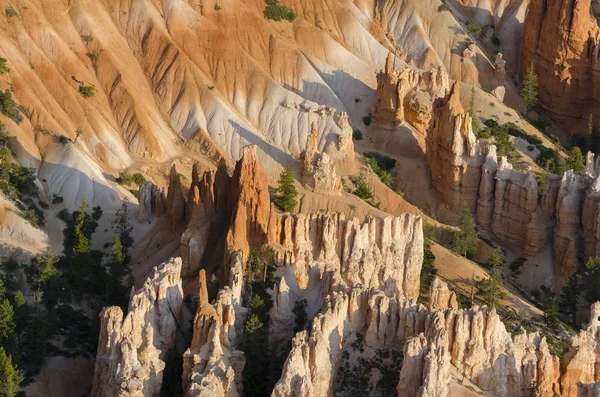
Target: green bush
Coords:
[[11, 13], [217, 7], [443, 8], [10, 108], [125, 178], [475, 29], [362, 188], [88, 91], [138, 179], [385, 163], [357, 135], [278, 12], [57, 200]]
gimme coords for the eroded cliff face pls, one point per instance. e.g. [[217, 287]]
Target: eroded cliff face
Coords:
[[407, 94], [561, 39], [131, 350]]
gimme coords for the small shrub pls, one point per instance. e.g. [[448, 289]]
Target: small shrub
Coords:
[[217, 7], [31, 216], [125, 178], [43, 205], [3, 68], [11, 13], [88, 91], [278, 12], [138, 179], [10, 108], [64, 139], [211, 87], [496, 41], [367, 120], [385, 163], [475, 29], [443, 8], [517, 265], [57, 200], [94, 56], [88, 38], [362, 188], [357, 135]]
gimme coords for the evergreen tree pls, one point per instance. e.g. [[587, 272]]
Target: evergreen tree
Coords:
[[557, 164], [576, 161], [7, 321], [592, 280], [466, 239], [124, 228], [286, 192], [253, 324], [82, 243], [529, 94], [9, 376], [3, 68], [551, 311], [569, 297], [491, 288], [592, 135]]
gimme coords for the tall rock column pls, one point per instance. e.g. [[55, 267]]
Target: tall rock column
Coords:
[[175, 204], [453, 154], [131, 350]]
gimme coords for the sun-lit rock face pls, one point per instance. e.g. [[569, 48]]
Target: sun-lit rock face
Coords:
[[407, 94], [561, 39], [453, 154], [131, 350], [385, 254], [318, 170], [212, 365]]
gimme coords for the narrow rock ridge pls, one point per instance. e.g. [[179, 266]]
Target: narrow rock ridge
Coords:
[[507, 203], [408, 94], [212, 366], [386, 254], [131, 350]]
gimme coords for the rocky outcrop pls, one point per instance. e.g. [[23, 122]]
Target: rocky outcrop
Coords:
[[385, 254], [151, 201], [454, 154], [212, 366], [561, 39], [567, 244], [131, 350], [582, 361], [318, 171], [311, 366], [407, 94], [251, 206], [440, 296], [500, 66]]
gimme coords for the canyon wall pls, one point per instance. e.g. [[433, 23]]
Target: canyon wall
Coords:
[[508, 203], [561, 38]]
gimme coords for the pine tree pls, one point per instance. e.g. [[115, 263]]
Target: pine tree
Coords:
[[124, 228], [253, 324], [82, 244], [286, 192], [529, 94], [569, 297], [491, 288], [7, 321], [557, 164], [576, 161], [592, 135], [466, 239], [551, 311], [9, 376]]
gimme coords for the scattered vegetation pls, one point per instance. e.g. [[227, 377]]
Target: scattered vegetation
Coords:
[[126, 178], [357, 135], [278, 12], [475, 30], [287, 194], [381, 165], [466, 241], [10, 108], [3, 68]]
